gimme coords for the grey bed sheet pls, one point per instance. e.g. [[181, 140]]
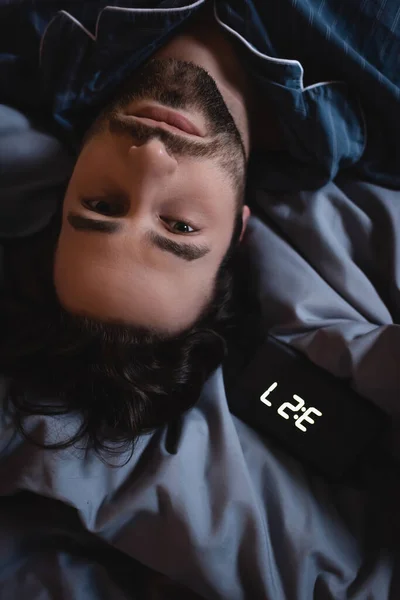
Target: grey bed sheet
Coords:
[[208, 502]]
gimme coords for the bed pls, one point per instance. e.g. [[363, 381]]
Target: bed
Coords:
[[213, 506]]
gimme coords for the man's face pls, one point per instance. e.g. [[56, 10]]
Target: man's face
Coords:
[[150, 209]]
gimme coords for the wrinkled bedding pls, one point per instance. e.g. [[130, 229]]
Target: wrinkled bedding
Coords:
[[209, 502]]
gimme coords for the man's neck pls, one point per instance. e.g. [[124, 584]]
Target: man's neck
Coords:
[[206, 44]]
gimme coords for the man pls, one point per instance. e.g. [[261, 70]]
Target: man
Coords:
[[123, 255], [155, 206], [151, 207]]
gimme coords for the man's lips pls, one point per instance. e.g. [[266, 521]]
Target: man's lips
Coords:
[[160, 115]]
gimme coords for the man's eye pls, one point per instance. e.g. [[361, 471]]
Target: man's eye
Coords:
[[179, 226], [104, 207]]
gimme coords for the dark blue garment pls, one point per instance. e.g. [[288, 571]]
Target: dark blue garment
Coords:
[[330, 68]]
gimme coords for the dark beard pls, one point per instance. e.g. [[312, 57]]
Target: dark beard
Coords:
[[179, 85]]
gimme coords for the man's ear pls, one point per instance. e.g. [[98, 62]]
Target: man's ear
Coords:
[[245, 217]]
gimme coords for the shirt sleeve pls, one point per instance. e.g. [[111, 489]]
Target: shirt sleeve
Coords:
[[20, 33], [22, 25]]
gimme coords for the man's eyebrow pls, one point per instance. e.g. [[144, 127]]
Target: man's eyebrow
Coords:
[[188, 252], [84, 224], [182, 250]]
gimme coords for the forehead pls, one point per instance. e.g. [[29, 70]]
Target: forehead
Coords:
[[108, 284]]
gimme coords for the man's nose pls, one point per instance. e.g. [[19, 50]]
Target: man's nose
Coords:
[[152, 159]]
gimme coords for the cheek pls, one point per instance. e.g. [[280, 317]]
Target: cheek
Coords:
[[218, 201], [96, 165]]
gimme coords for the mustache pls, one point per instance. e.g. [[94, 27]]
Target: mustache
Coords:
[[175, 144]]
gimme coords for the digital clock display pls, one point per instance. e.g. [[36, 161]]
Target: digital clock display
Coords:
[[301, 421]]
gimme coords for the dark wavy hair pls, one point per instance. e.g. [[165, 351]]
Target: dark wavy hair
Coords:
[[122, 380]]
